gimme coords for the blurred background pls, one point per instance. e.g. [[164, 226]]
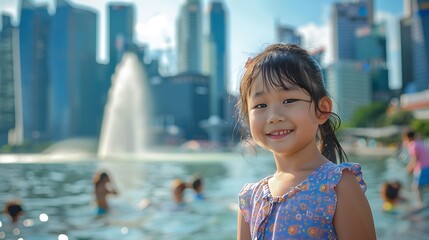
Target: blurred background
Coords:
[[95, 81], [58, 59]]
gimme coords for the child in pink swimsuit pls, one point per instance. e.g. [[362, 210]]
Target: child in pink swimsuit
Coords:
[[419, 163]]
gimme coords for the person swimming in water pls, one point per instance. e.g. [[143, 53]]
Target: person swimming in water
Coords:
[[14, 210]]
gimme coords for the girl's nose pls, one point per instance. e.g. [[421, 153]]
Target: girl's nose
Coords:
[[275, 116]]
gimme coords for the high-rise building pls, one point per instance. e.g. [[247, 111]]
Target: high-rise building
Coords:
[[349, 76], [406, 55], [420, 43], [371, 48], [121, 30], [8, 100], [347, 17], [286, 34], [180, 121], [415, 46], [349, 85], [74, 105], [121, 23], [34, 28], [189, 37], [218, 59]]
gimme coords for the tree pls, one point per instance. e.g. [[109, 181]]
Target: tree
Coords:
[[371, 115], [421, 127], [401, 118]]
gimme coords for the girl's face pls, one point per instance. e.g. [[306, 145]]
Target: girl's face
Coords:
[[284, 121]]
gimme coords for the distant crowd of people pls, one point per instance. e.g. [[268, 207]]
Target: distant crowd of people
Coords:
[[103, 187]]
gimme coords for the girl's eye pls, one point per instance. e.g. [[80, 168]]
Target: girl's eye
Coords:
[[260, 106], [291, 100]]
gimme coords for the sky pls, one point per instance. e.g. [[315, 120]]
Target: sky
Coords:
[[251, 26]]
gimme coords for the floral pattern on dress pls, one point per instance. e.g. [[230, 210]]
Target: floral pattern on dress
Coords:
[[305, 212]]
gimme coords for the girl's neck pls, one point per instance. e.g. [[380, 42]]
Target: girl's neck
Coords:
[[302, 161]]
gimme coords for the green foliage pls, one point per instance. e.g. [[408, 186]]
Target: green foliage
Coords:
[[371, 115], [421, 127], [401, 118]]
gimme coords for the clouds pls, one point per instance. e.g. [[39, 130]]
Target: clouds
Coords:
[[317, 36], [157, 31]]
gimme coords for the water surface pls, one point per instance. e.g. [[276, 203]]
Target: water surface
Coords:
[[63, 191]]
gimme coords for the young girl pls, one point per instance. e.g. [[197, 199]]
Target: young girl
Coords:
[[312, 194]]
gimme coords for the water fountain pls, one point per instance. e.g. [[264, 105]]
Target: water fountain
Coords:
[[123, 131]]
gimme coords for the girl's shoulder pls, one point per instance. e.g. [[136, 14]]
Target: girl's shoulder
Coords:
[[334, 172], [258, 188], [351, 166]]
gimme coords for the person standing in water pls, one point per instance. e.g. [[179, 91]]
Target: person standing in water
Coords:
[[418, 164], [102, 188], [285, 108], [198, 187]]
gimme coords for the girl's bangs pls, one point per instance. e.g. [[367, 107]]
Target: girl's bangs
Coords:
[[274, 71]]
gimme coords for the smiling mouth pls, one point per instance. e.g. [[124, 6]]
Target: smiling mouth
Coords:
[[279, 133]]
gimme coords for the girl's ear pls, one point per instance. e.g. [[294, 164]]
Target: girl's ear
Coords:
[[325, 109]]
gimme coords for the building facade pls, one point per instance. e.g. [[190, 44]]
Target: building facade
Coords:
[[34, 29], [74, 92], [9, 104], [218, 59], [286, 34], [189, 37], [349, 85], [347, 17], [178, 116], [121, 30]]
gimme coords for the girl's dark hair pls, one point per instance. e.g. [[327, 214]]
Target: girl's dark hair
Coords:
[[288, 66]]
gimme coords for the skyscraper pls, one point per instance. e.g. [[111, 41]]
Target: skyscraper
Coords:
[[188, 92], [349, 80], [121, 30], [371, 49], [415, 46], [72, 58], [406, 55], [218, 59], [286, 34], [189, 37], [420, 43], [34, 30], [349, 85], [347, 17], [8, 98]]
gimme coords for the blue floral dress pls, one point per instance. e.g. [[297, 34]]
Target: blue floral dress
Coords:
[[305, 212]]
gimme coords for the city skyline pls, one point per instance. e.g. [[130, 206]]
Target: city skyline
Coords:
[[156, 26]]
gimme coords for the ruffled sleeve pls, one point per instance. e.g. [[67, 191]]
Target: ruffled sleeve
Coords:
[[245, 200], [354, 168]]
